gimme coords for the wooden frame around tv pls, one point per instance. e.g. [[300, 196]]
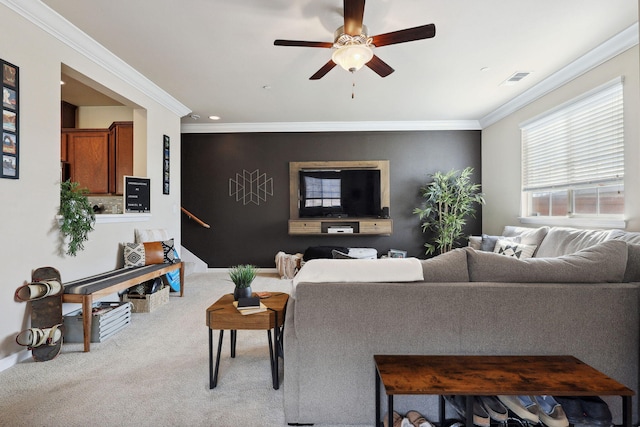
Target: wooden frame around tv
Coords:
[[381, 226]]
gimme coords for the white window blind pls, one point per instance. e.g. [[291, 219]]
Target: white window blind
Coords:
[[578, 144]]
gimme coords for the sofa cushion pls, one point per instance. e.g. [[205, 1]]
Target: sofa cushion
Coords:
[[605, 262], [449, 267], [563, 241]]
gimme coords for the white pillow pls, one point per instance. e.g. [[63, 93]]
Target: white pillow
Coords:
[[151, 235], [515, 250]]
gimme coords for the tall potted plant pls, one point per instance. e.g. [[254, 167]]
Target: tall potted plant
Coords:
[[77, 216], [242, 276], [449, 200]]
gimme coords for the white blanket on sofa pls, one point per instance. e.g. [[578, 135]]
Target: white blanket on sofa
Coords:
[[360, 270]]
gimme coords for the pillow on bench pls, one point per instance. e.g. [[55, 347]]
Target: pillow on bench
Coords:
[[141, 254], [604, 262]]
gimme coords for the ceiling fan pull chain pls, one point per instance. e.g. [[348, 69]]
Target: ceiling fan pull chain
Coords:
[[353, 89]]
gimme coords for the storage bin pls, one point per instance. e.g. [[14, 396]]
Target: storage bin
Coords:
[[108, 318], [147, 303]]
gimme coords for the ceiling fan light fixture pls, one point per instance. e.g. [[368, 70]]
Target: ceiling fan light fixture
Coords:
[[352, 57]]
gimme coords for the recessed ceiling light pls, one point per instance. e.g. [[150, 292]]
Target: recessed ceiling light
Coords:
[[485, 69], [194, 116], [266, 87], [62, 82], [214, 117]]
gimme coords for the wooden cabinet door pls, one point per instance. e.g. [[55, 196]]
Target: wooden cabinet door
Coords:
[[88, 156], [121, 134]]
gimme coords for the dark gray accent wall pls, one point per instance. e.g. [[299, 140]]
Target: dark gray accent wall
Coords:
[[254, 230]]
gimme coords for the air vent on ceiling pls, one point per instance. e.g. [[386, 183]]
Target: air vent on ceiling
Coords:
[[516, 78]]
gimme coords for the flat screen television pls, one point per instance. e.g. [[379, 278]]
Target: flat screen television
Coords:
[[340, 193]]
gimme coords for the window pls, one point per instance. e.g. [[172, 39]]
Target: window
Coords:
[[573, 158]]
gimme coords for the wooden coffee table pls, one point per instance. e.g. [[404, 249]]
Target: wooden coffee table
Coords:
[[223, 315], [492, 375]]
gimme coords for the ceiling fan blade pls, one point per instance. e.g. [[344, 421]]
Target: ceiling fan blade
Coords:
[[407, 35], [353, 15], [302, 43], [379, 66], [324, 70]]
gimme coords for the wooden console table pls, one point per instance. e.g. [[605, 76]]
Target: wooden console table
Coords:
[[489, 376]]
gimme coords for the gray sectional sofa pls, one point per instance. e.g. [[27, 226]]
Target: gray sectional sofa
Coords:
[[578, 295]]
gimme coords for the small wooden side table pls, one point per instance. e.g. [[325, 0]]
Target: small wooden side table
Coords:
[[492, 375], [223, 315]]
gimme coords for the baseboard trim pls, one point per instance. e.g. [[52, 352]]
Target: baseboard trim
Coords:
[[12, 360]]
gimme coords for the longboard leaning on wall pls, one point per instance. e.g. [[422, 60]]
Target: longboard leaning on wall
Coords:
[[44, 338]]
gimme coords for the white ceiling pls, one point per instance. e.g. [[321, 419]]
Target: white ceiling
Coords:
[[217, 56]]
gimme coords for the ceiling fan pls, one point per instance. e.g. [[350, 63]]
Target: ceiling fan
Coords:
[[353, 46]]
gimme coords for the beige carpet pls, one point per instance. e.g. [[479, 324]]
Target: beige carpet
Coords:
[[153, 373]]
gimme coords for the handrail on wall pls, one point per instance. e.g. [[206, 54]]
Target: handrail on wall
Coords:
[[195, 218]]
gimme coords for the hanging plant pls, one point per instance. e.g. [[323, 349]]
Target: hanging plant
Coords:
[[448, 201], [77, 216]]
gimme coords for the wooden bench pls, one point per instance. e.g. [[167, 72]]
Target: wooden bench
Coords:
[[84, 291]]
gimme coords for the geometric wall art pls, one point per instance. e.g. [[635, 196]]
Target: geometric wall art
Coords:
[[250, 187]]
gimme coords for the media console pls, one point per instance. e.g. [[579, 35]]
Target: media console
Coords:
[[371, 226]]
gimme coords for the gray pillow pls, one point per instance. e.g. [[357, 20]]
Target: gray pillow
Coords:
[[604, 262], [449, 267]]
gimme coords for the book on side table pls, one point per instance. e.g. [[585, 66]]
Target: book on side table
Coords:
[[249, 305]]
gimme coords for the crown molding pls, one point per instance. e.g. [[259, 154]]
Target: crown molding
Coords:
[[329, 126], [616, 45], [53, 23]]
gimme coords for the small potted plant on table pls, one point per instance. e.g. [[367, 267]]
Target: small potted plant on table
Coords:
[[242, 276]]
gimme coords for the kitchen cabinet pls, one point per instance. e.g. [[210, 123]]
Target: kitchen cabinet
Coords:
[[99, 158], [121, 152]]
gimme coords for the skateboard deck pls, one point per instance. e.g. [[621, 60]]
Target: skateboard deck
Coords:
[[45, 313]]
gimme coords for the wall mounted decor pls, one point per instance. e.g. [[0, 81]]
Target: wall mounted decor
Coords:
[[10, 122], [137, 194], [251, 187], [165, 164]]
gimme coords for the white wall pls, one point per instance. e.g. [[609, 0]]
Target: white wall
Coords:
[[29, 205], [501, 144], [102, 117]]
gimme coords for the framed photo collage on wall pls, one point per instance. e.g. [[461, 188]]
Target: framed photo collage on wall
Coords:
[[10, 121]]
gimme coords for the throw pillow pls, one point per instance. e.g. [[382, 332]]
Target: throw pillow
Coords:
[[133, 255], [516, 250], [489, 242], [169, 251], [528, 236], [153, 253], [448, 267], [605, 262], [141, 254]]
